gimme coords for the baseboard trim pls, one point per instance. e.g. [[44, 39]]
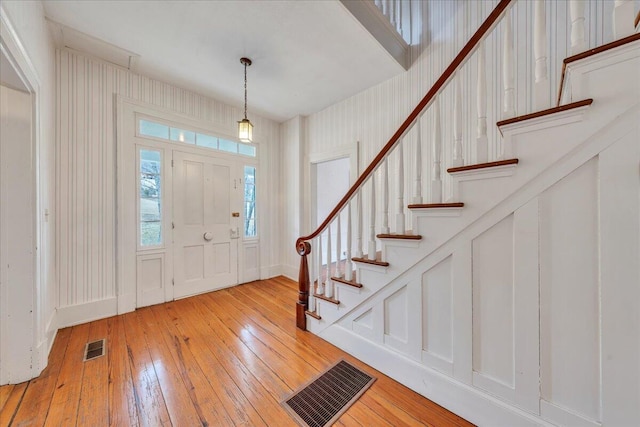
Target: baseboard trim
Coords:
[[270, 271], [87, 312], [462, 399], [290, 272]]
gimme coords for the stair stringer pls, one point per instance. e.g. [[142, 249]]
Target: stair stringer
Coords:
[[398, 351]]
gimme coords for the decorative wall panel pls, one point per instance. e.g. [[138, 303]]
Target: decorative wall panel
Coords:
[[493, 311], [569, 277], [437, 307]]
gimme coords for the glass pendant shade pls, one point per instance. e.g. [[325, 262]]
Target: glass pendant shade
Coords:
[[245, 130]]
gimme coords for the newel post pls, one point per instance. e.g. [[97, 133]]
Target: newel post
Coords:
[[304, 249]]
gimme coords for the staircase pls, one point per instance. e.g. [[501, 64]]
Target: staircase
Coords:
[[515, 301]]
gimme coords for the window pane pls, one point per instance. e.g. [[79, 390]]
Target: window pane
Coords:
[[250, 201], [182, 135], [208, 141], [247, 150], [150, 198], [230, 146], [150, 233], [154, 129]]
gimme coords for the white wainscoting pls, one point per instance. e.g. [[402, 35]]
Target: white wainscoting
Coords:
[[532, 311]]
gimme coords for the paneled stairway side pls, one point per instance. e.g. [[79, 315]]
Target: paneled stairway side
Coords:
[[516, 301]]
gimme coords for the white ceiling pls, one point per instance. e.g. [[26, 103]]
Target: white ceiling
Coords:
[[306, 55]]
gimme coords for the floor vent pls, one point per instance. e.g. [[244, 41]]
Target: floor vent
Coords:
[[321, 402], [94, 349]]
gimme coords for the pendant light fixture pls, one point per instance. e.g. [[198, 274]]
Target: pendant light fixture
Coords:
[[245, 128]]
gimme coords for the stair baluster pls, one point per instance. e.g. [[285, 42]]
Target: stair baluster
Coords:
[[508, 78], [482, 143], [338, 246], [348, 272], [328, 288], [436, 181], [400, 228], [359, 251], [458, 157], [385, 196], [417, 189], [623, 19], [576, 10], [372, 220], [320, 284], [541, 92], [311, 305]]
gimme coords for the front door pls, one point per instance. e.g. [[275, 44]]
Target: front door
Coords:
[[205, 232]]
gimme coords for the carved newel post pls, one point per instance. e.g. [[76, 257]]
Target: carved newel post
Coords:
[[304, 249]]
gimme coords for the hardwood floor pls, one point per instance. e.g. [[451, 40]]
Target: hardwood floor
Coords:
[[223, 358]]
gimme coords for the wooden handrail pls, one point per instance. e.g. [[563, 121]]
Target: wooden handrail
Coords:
[[302, 244], [491, 21]]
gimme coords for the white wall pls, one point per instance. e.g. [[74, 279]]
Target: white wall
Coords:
[[25, 21], [293, 191], [17, 273], [86, 176]]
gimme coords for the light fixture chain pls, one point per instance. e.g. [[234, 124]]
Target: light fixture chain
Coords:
[[245, 90]]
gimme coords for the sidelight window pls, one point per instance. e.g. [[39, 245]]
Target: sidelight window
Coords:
[[250, 201], [150, 197]]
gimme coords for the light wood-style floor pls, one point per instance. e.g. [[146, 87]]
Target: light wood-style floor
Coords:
[[223, 358]]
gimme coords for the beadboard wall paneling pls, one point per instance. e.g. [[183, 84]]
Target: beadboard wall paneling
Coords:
[[86, 175], [292, 137], [373, 115]]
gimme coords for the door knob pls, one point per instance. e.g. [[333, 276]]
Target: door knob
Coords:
[[208, 236]]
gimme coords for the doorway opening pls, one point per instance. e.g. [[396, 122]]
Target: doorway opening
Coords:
[[18, 257]]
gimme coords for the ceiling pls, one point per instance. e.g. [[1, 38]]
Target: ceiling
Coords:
[[306, 55]]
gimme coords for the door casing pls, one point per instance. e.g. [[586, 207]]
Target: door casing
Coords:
[[128, 111]]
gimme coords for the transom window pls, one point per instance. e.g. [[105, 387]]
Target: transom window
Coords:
[[170, 133]]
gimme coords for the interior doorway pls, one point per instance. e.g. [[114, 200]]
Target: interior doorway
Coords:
[[18, 258], [332, 181]]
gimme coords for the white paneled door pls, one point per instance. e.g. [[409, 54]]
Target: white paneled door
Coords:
[[205, 234]]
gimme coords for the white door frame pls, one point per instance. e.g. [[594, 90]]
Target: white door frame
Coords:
[[350, 151], [14, 51], [127, 111]]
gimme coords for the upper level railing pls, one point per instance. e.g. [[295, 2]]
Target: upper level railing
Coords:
[[342, 268], [398, 12]]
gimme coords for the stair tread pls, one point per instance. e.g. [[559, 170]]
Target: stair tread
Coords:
[[483, 165], [406, 236], [313, 314], [377, 261], [546, 112], [326, 298], [602, 48], [353, 282], [436, 205]]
